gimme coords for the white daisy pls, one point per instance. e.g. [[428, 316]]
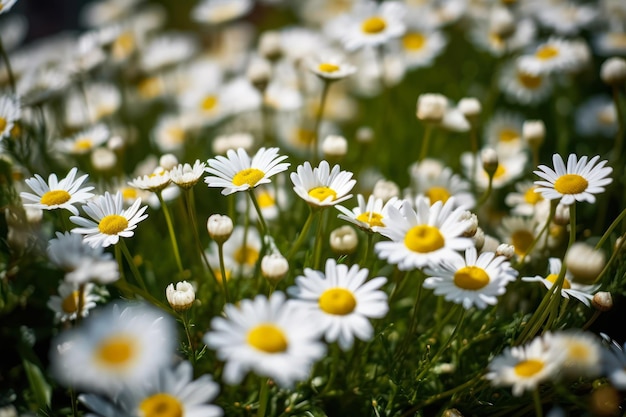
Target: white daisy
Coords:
[[421, 46], [110, 220], [173, 393], [524, 201], [321, 186], [522, 87], [368, 216], [524, 367], [270, 337], [65, 305], [473, 280], [9, 114], [521, 233], [482, 35], [340, 301], [220, 11], [583, 293], [578, 181], [81, 262], [167, 49], [241, 259], [103, 100], [597, 116], [509, 168], [170, 132], [330, 66], [237, 172], [567, 18], [554, 55], [185, 175], [271, 201], [503, 132], [157, 181], [121, 344], [583, 352], [445, 185], [424, 237], [610, 42], [85, 141], [57, 194]]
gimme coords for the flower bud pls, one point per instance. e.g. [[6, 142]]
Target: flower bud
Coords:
[[115, 143], [220, 227], [479, 239], [259, 73], [602, 301], [364, 134], [613, 71], [182, 297], [274, 267], [506, 250], [534, 132], [489, 159], [335, 146], [501, 22], [270, 46], [473, 223], [470, 107], [344, 240], [168, 161], [584, 262], [385, 190], [103, 159], [561, 215], [431, 107]]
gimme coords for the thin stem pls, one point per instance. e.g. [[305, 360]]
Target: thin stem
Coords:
[[220, 249], [318, 121], [131, 263], [255, 202], [7, 62], [618, 144], [191, 212], [609, 263], [192, 350], [428, 130], [264, 394], [442, 395], [302, 235], [368, 248], [541, 232], [317, 249], [612, 227], [537, 402], [170, 229]]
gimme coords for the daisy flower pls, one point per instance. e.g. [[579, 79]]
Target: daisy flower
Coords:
[[424, 237], [610, 42], [566, 18], [65, 305], [524, 201], [236, 172], [173, 393], [420, 46], [185, 175], [368, 216], [321, 186], [271, 200], [270, 337], [56, 194], [554, 55], [510, 167], [597, 116], [241, 258], [167, 49], [583, 293], [522, 87], [103, 100], [340, 302], [330, 67], [157, 181], [524, 367], [521, 233], [504, 132], [170, 132], [578, 181], [220, 11], [9, 114], [121, 344], [85, 141], [583, 352], [443, 186], [472, 280], [110, 220]]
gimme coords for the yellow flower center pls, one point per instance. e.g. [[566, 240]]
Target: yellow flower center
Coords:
[[413, 41], [266, 200], [70, 303], [500, 171], [175, 134], [55, 197], [116, 350], [531, 197], [372, 219], [373, 25], [112, 224], [547, 52], [3, 123], [267, 338], [83, 144], [209, 103], [521, 241], [326, 67], [338, 301], [496, 40], [566, 284], [246, 255], [322, 193], [161, 405], [248, 176], [123, 45], [471, 278], [578, 351], [570, 184], [528, 367], [16, 130], [435, 194], [424, 239], [508, 135], [529, 81], [304, 136], [149, 87], [129, 193]]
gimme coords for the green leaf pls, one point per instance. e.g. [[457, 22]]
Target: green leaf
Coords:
[[38, 384]]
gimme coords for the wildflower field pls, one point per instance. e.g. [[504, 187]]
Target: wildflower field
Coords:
[[314, 208]]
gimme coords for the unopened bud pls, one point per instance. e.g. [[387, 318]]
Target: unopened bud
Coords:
[[364, 134], [431, 107], [473, 223], [168, 161], [270, 46], [274, 267], [220, 227], [490, 162], [506, 250], [344, 240], [584, 262], [561, 215], [182, 297], [103, 159], [259, 74], [470, 107], [479, 239], [385, 190], [534, 132], [335, 146], [613, 71], [602, 301]]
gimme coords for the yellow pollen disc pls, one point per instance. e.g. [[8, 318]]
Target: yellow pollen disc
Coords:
[[471, 278], [578, 351], [176, 134], [113, 224], [123, 45], [547, 52], [531, 82], [326, 67], [304, 136], [55, 197], [372, 219], [129, 193], [528, 367], [521, 241], [496, 40], [413, 41], [267, 338], [531, 197], [322, 193], [373, 25], [552, 278], [70, 303], [266, 200], [248, 176], [161, 405], [116, 350], [246, 255], [570, 184], [435, 194], [83, 144], [218, 275], [500, 171], [424, 239], [209, 103], [508, 135], [3, 123], [338, 301], [16, 130], [149, 87]]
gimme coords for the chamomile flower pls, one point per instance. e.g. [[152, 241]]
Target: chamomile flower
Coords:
[[110, 220], [445, 185], [56, 194], [522, 87], [421, 46], [521, 232], [330, 66], [66, 304], [368, 216], [610, 42], [578, 181], [170, 132], [103, 100], [185, 175], [524, 367], [583, 352], [9, 114], [567, 18], [85, 141], [597, 116], [173, 393], [504, 133], [552, 56], [220, 11], [524, 201], [321, 186], [242, 250], [509, 168], [340, 301], [157, 181], [271, 201], [121, 344], [583, 293], [472, 280], [425, 236], [270, 337], [237, 172], [167, 49]]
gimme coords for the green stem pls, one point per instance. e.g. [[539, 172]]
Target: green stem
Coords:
[[302, 235], [127, 288], [368, 248], [191, 212], [7, 62], [609, 263], [220, 249], [192, 351], [553, 205], [616, 153], [170, 229], [264, 394], [442, 395], [483, 199], [131, 263], [255, 202], [319, 238], [537, 402], [318, 122], [612, 227], [428, 130]]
